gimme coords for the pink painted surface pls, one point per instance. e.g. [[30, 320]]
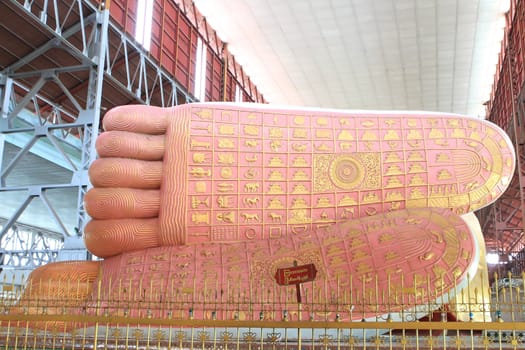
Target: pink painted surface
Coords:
[[370, 198], [229, 173], [401, 255], [261, 173]]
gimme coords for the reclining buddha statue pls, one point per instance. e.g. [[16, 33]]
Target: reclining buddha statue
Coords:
[[274, 207]]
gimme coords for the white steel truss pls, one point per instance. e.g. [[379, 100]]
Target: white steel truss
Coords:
[[54, 108]]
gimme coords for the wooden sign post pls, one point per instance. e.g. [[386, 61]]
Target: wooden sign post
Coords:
[[296, 275]]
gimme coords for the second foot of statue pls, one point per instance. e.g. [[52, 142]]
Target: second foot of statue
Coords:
[[401, 261]]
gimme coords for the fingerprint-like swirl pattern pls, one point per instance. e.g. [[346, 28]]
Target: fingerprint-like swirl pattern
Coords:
[[120, 203], [51, 281], [468, 165], [130, 145], [174, 182], [70, 282], [109, 237], [136, 119], [124, 203], [125, 172]]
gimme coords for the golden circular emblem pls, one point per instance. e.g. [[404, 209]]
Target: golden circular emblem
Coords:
[[346, 172]]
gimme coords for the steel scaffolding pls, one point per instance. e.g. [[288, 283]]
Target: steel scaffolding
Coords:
[[66, 63]]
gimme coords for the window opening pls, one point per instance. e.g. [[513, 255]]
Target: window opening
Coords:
[[200, 71], [238, 93], [144, 22]]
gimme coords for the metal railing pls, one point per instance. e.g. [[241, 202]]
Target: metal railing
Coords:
[[41, 316]]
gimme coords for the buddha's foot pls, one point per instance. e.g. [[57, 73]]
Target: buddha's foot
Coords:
[[231, 173], [388, 263]]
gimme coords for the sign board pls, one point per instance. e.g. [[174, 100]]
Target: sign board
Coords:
[[296, 275]]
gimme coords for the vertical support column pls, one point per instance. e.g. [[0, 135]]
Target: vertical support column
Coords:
[[224, 72], [517, 120], [519, 129], [5, 96], [57, 132], [91, 120], [51, 116]]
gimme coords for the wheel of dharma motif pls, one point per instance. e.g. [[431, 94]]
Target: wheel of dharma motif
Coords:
[[213, 193]]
